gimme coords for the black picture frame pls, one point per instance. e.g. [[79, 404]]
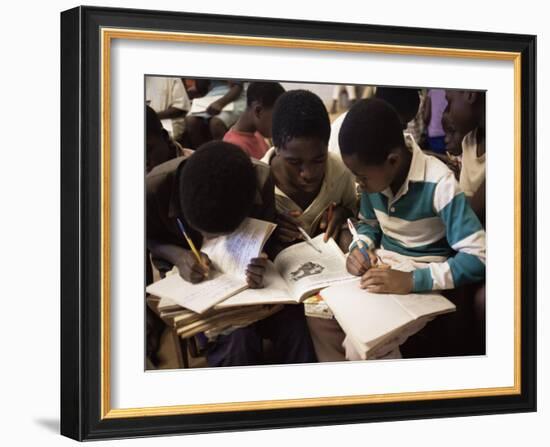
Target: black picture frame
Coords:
[[81, 217]]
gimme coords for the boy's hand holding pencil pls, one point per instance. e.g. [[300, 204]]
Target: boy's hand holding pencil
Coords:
[[358, 262], [193, 265], [360, 258], [191, 269]]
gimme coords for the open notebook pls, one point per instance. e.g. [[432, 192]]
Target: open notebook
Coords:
[[297, 272], [199, 105], [230, 256], [371, 319]]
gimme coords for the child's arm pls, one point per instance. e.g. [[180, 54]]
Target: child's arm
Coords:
[[465, 235], [331, 223], [185, 260], [368, 227], [234, 92], [369, 233], [180, 102], [477, 202]]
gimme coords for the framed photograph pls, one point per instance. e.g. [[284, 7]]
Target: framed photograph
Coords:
[[273, 223]]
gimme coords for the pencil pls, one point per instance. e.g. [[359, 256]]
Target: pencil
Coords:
[[308, 239], [190, 242], [360, 244]]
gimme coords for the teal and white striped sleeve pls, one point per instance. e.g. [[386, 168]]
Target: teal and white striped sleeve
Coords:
[[464, 234], [368, 227]]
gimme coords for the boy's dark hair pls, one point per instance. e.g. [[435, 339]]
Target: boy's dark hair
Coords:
[[153, 126], [371, 130], [265, 93], [405, 100], [217, 186], [299, 113]]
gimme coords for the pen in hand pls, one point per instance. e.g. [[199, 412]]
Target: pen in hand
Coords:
[[360, 244], [308, 239]]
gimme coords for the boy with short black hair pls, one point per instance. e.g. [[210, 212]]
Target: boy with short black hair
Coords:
[[405, 101], [415, 215], [308, 179], [212, 191], [313, 189], [254, 124], [411, 206]]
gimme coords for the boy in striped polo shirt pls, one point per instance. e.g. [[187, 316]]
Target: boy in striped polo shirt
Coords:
[[412, 209]]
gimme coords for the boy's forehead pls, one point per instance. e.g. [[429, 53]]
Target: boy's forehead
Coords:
[[303, 145]]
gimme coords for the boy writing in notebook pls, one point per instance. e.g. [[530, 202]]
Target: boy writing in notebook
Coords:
[[254, 124], [412, 210], [411, 207], [210, 193]]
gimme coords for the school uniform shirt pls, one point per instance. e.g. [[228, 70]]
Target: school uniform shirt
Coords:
[[162, 93], [162, 201], [472, 173], [333, 145], [252, 143], [338, 186], [428, 221]]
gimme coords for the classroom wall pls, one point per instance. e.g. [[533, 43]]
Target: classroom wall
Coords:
[[324, 91], [30, 221]]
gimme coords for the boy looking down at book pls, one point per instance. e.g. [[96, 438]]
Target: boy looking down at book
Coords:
[[254, 124], [197, 190], [209, 194], [313, 189], [411, 207]]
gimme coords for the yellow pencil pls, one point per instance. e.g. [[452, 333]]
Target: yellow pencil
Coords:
[[190, 242]]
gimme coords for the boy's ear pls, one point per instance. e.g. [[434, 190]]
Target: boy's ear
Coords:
[[393, 158]]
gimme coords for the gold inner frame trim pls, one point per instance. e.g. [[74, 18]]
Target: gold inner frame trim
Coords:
[[107, 35]]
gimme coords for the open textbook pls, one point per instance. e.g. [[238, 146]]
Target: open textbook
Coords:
[[372, 319], [230, 256], [297, 272], [200, 105]]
